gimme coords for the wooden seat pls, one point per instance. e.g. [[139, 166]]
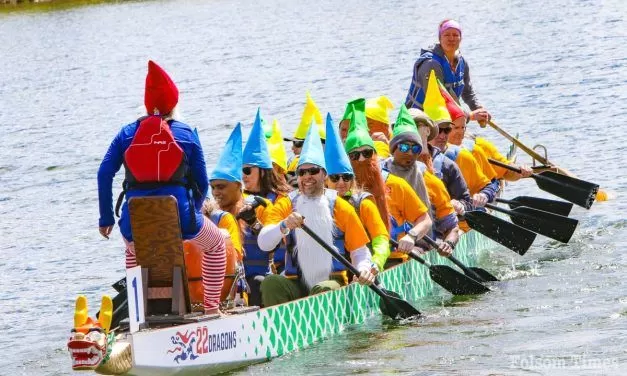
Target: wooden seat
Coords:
[[159, 250]]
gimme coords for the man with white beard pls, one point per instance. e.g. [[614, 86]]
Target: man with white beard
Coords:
[[309, 268]]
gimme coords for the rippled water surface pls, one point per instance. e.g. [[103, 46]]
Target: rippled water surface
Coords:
[[556, 72]]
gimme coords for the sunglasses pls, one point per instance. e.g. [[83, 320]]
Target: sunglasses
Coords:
[[336, 177], [247, 170], [404, 148], [311, 171], [298, 144], [367, 153], [446, 130]]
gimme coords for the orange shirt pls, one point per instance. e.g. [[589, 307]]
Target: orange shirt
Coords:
[[404, 205], [482, 158], [471, 171], [492, 152], [344, 216], [438, 195], [371, 219]]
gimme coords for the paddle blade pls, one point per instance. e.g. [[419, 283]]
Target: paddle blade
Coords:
[[552, 206], [579, 192], [395, 307], [548, 224], [455, 282], [505, 233], [484, 274]]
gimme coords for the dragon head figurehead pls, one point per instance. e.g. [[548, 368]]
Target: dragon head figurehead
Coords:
[[89, 343]]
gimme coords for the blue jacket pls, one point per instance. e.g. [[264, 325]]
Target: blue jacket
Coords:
[[188, 140], [449, 173], [456, 82]]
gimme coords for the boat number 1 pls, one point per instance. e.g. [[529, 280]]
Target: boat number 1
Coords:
[[201, 346], [134, 284]]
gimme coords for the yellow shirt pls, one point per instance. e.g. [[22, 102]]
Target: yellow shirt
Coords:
[[344, 216], [403, 203], [492, 152], [229, 223], [482, 158], [471, 171], [438, 195]]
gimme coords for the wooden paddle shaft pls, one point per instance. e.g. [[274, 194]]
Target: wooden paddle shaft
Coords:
[[532, 153]]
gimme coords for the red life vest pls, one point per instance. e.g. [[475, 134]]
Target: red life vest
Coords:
[[153, 156]]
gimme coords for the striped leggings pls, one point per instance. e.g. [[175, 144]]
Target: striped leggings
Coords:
[[211, 241]]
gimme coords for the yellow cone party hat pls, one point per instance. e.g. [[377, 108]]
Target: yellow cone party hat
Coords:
[[276, 146], [435, 105], [311, 114]]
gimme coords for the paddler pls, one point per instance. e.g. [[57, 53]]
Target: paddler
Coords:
[[145, 177], [450, 68], [310, 269], [407, 213], [342, 178], [406, 146], [428, 130], [376, 110], [482, 189], [226, 187], [260, 179]]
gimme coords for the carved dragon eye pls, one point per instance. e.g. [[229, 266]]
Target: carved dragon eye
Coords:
[[95, 336]]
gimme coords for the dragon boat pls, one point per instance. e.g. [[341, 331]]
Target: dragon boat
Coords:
[[195, 344]]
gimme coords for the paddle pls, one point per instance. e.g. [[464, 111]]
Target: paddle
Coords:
[[553, 206], [579, 192], [393, 306], [548, 224], [476, 273], [450, 279], [532, 153], [512, 236]]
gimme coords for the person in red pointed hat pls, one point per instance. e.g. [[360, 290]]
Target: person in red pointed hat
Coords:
[[163, 156]]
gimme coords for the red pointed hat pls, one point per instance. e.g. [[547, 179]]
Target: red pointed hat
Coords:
[[161, 94], [453, 108]]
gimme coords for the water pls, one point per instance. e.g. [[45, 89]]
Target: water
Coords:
[[553, 71]]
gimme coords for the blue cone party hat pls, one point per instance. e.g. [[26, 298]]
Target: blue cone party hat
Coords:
[[256, 150], [334, 154], [229, 165], [312, 149]]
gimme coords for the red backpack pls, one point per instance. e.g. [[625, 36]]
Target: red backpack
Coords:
[[154, 160], [153, 156]]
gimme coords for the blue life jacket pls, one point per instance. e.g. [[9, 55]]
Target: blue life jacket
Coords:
[[291, 257], [453, 81], [256, 261]]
